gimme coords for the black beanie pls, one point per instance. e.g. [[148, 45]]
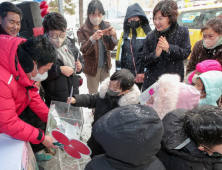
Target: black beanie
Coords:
[[25, 60]]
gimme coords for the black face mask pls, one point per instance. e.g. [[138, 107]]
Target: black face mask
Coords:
[[214, 154], [134, 24]]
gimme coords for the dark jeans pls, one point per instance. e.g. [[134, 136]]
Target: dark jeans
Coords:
[[31, 118]]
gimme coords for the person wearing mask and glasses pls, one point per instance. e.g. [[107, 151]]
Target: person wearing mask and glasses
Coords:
[[64, 73]]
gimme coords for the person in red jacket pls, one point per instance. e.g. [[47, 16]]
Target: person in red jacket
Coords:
[[22, 63]]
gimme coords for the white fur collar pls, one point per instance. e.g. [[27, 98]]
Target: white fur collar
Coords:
[[130, 98], [167, 95]]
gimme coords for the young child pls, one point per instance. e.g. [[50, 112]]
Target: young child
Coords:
[[209, 85], [131, 137], [118, 90], [204, 66], [170, 94], [192, 139]]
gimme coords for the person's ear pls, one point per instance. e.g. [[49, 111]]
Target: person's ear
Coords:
[[124, 92], [201, 148]]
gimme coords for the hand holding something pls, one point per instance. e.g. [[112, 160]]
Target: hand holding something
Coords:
[[66, 70], [73, 100], [78, 65], [97, 35], [113, 33], [48, 142], [164, 44]]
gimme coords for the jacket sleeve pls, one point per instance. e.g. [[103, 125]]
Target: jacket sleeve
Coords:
[[86, 45], [54, 72], [181, 52], [11, 124], [217, 166], [119, 53], [85, 100], [80, 59], [193, 61], [38, 106]]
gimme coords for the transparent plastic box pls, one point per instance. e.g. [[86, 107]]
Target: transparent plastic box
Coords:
[[70, 124]]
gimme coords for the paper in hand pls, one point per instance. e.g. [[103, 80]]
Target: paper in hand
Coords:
[[146, 95]]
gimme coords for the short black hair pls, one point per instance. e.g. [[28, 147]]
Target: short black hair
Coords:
[[6, 7], [168, 8], [41, 50], [54, 21], [203, 125], [95, 5], [125, 77]]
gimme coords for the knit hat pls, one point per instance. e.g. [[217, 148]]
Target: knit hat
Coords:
[[25, 60], [204, 66]]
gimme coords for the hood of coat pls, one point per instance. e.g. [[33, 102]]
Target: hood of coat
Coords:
[[9, 59], [136, 10], [130, 135], [130, 98], [213, 87], [172, 94], [176, 141]]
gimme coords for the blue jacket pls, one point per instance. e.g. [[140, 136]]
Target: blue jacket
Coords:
[[212, 81]]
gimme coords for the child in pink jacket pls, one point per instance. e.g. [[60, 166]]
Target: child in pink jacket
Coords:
[[170, 94], [204, 66]]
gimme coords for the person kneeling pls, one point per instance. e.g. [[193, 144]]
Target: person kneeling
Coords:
[[118, 90]]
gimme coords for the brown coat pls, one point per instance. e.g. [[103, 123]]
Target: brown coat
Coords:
[[199, 54], [91, 51]]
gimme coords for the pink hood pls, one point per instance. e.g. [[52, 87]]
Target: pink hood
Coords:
[[172, 94], [204, 66]]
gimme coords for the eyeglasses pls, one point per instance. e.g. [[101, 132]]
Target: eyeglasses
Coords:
[[54, 36], [214, 154]]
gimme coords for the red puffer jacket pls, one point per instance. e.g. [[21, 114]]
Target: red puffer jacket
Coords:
[[17, 92]]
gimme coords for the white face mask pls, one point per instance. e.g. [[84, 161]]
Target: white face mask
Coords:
[[210, 43], [95, 21], [57, 41], [39, 77]]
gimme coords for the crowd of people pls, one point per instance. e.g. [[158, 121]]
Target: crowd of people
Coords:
[[179, 127]]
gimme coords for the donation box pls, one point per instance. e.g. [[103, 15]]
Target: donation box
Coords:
[[65, 124]]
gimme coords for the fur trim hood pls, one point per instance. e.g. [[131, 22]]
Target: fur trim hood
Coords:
[[172, 94], [130, 98]]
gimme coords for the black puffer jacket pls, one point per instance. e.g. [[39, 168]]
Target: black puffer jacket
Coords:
[[103, 103], [124, 55], [172, 62], [186, 156], [57, 86], [131, 137]]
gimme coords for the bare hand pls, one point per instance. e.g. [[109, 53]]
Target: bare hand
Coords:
[[48, 142], [164, 44], [158, 50], [113, 33], [97, 35], [78, 65], [73, 100], [66, 70]]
